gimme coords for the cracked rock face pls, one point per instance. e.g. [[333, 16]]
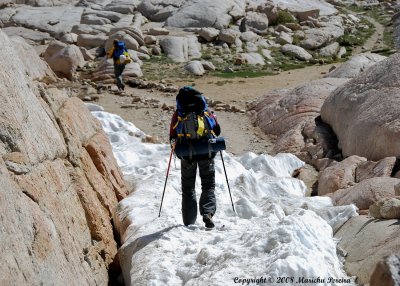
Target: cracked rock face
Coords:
[[58, 183], [364, 113]]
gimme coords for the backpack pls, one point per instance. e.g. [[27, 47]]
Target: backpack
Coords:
[[196, 138], [194, 120], [120, 52]]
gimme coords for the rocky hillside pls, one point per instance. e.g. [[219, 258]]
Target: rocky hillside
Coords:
[[59, 181], [189, 38]]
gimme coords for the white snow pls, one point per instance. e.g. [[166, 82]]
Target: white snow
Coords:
[[277, 232]]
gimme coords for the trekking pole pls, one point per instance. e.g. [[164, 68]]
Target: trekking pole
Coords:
[[166, 178], [226, 176]]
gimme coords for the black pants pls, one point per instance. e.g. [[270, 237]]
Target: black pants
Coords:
[[118, 69], [207, 202]]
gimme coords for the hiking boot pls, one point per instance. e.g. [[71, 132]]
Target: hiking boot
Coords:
[[207, 218]]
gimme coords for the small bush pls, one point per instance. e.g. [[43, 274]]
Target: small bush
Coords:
[[285, 17]]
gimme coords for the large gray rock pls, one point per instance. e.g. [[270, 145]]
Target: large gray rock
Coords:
[[64, 59], [90, 19], [339, 176], [306, 5], [387, 271], [319, 37], [122, 6], [54, 20], [386, 208], [252, 58], [297, 52], [366, 241], [108, 15], [41, 3], [249, 36], [366, 193], [69, 38], [176, 48], [31, 36], [91, 41], [363, 113], [209, 34], [270, 10], [206, 13], [330, 50], [284, 38], [286, 113], [369, 169], [130, 42], [59, 184], [305, 15], [91, 29], [105, 71], [159, 10], [257, 22], [229, 36], [132, 37], [356, 65], [194, 47], [33, 65], [195, 68]]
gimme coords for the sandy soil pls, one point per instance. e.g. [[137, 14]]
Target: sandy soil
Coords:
[[241, 136]]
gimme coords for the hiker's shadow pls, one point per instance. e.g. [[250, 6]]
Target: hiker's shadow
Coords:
[[141, 242], [130, 249]]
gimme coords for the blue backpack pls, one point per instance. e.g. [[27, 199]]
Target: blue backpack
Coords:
[[119, 50]]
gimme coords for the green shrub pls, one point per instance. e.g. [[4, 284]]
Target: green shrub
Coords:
[[285, 17]]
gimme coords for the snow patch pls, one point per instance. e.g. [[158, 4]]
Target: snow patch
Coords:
[[276, 232]]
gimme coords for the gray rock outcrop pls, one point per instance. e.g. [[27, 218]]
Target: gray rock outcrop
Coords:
[[296, 51], [306, 5], [209, 34], [252, 59], [257, 22], [366, 193], [59, 183], [289, 114], [229, 36], [64, 59], [54, 20], [33, 65], [176, 48], [356, 65], [386, 208], [159, 10], [364, 112], [366, 242], [30, 36], [195, 68], [206, 13], [105, 71], [339, 176], [91, 41], [330, 50], [319, 37]]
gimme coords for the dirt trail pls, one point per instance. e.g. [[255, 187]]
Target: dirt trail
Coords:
[[375, 40], [236, 127]]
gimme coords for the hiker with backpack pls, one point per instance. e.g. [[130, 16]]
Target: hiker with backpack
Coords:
[[193, 135], [120, 55]]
